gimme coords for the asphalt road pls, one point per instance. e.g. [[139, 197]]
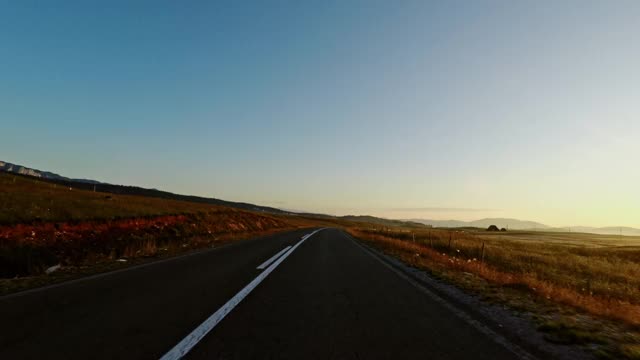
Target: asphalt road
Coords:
[[326, 298]]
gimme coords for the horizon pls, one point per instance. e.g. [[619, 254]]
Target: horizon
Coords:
[[349, 212], [412, 110]]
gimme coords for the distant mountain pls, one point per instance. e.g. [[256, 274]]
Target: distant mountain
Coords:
[[381, 221], [442, 223], [509, 223], [514, 224], [22, 170], [609, 230], [126, 190]]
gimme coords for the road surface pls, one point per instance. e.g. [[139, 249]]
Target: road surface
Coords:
[[324, 297]]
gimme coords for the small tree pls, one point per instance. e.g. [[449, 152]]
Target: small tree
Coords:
[[493, 228]]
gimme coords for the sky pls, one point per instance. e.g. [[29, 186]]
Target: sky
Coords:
[[402, 109]]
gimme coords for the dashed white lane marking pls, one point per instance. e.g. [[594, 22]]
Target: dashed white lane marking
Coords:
[[273, 258], [184, 346]]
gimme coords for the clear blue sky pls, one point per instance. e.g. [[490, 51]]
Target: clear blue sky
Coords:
[[450, 109]]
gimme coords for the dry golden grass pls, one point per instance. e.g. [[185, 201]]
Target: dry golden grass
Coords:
[[594, 278], [43, 224], [25, 200]]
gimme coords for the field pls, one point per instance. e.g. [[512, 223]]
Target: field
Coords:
[[588, 274], [43, 225], [28, 200]]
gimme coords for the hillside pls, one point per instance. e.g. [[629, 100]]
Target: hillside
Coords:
[[381, 221], [94, 185], [25, 199], [44, 223], [46, 175]]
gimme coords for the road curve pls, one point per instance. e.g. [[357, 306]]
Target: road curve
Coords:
[[327, 298]]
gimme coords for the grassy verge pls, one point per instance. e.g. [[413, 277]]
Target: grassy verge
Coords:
[[46, 226], [152, 239], [81, 248], [580, 292]]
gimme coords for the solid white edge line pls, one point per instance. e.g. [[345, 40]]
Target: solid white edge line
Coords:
[[184, 346], [273, 258]]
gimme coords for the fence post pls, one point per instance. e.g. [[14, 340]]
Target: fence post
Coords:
[[482, 253], [449, 240], [430, 239]]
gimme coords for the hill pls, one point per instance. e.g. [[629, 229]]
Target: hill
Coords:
[[484, 223], [515, 224], [98, 186], [43, 223], [610, 230], [22, 170], [26, 199], [381, 221]]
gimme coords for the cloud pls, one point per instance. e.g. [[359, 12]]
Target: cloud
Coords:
[[440, 209], [272, 202]]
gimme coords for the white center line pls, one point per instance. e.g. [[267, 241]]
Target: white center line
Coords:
[[184, 346], [273, 258]]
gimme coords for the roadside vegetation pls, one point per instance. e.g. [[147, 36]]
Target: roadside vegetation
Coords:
[[582, 288], [26, 200], [50, 233]]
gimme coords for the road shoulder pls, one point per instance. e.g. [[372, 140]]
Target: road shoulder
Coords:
[[517, 330]]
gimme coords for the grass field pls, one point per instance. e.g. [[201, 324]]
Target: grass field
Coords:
[[43, 225], [594, 274], [27, 200]]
